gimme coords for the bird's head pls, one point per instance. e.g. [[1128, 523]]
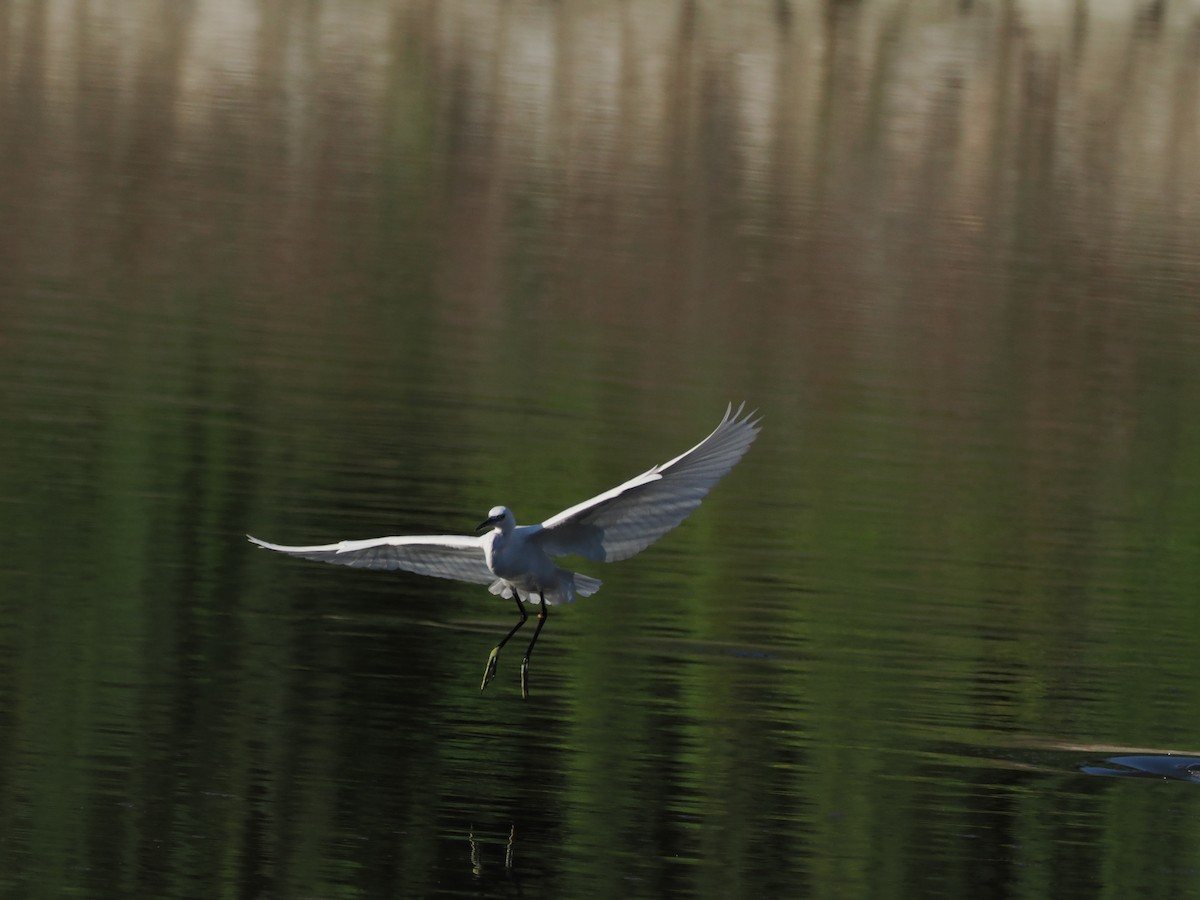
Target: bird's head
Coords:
[[498, 517]]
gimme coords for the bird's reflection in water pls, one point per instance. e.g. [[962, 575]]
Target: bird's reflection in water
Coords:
[[1147, 765], [477, 859]]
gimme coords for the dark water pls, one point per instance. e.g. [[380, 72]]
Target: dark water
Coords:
[[319, 271]]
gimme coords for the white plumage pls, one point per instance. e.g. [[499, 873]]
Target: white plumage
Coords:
[[516, 560]]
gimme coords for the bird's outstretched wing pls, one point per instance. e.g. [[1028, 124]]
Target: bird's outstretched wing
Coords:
[[621, 522], [459, 557]]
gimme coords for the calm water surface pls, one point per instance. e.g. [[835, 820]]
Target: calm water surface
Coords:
[[320, 271]]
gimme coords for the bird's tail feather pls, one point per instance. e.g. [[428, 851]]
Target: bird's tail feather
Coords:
[[582, 586], [585, 585]]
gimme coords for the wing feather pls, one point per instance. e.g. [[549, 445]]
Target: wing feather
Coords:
[[625, 520], [458, 557]]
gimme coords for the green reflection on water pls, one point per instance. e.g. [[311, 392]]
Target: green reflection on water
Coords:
[[392, 269]]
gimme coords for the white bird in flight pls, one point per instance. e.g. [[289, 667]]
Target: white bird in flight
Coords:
[[515, 560]]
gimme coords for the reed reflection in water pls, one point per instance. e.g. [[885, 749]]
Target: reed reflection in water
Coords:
[[325, 271]]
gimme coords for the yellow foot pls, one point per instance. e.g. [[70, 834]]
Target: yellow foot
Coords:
[[489, 671], [525, 678]]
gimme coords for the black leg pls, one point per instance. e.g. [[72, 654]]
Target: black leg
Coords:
[[489, 671], [542, 614]]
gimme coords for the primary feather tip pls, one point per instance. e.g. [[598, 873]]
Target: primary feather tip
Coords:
[[748, 417]]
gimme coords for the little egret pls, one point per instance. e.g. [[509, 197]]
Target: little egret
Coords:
[[515, 560]]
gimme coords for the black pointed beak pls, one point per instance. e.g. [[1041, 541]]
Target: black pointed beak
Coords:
[[482, 525]]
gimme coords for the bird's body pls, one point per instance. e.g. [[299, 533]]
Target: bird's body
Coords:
[[516, 561], [514, 554]]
